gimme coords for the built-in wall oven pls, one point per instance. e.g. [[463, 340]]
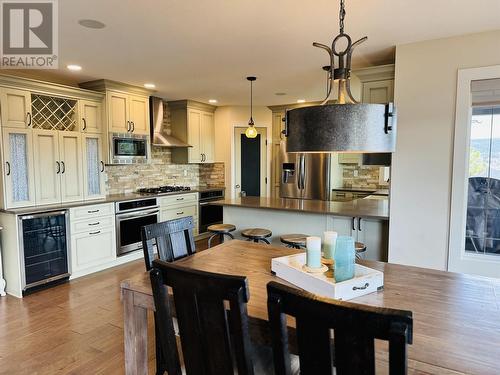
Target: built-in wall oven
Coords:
[[44, 244], [209, 214], [126, 148], [130, 217]]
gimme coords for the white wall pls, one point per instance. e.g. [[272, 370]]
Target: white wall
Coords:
[[226, 119], [425, 93]]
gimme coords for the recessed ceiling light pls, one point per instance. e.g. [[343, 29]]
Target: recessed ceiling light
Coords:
[[280, 93], [212, 101], [301, 101], [149, 85], [74, 68], [92, 24]]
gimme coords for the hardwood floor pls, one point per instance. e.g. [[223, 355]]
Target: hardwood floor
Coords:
[[73, 328]]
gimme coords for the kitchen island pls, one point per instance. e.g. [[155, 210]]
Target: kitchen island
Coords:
[[366, 219]]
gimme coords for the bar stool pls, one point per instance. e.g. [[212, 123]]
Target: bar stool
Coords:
[[295, 241], [257, 234], [360, 248], [220, 230]]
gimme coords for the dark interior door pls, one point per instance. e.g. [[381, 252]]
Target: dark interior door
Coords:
[[250, 165]]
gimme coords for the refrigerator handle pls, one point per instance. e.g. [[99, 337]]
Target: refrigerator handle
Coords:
[[303, 172]]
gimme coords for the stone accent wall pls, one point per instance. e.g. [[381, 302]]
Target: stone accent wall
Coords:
[[368, 176], [212, 175], [161, 171]]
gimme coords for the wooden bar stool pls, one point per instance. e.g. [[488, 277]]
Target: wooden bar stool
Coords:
[[220, 230], [360, 249], [257, 234], [295, 241]]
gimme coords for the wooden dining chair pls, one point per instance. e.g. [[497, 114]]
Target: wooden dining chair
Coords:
[[355, 329], [211, 311], [173, 240]]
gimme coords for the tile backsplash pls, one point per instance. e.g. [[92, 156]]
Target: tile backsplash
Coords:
[[161, 171], [367, 176]]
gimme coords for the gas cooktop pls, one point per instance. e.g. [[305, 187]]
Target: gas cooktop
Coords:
[[163, 189]]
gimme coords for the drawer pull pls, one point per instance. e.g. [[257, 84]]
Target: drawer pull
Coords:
[[180, 213], [93, 211], [361, 287], [95, 232], [91, 224], [180, 199]]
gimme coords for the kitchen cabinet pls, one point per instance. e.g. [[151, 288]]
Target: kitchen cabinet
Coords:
[[178, 206], [71, 159], [16, 108], [378, 92], [93, 238], [47, 166], [193, 123], [58, 166], [93, 166], [18, 171], [374, 233], [126, 106], [90, 116]]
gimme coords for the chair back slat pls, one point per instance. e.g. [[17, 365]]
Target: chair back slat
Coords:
[[313, 341], [211, 335], [172, 239], [355, 328]]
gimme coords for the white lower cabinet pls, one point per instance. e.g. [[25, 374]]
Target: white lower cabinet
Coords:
[[93, 238]]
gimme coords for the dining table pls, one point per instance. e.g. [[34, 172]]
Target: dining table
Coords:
[[456, 317]]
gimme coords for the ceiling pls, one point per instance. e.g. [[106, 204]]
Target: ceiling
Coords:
[[205, 49]]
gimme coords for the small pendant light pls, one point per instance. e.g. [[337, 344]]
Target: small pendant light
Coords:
[[346, 125], [251, 132]]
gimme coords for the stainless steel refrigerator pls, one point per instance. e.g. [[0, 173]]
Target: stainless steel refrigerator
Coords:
[[304, 176]]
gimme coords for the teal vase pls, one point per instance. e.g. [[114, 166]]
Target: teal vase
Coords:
[[345, 256]]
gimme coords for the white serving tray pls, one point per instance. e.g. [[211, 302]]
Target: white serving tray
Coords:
[[366, 280]]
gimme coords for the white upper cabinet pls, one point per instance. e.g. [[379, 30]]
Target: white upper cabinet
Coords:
[[378, 92], [90, 116], [47, 166], [16, 108], [117, 108], [193, 123], [139, 114], [17, 168]]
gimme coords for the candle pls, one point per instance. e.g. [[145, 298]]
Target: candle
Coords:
[[313, 252], [329, 245]]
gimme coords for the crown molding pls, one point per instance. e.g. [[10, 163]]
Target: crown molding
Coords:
[[187, 103], [375, 73], [48, 88], [103, 85]]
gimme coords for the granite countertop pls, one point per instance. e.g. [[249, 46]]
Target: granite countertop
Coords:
[[362, 190], [108, 199], [366, 208]]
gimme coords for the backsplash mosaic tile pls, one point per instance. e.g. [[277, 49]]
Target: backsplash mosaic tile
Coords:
[[161, 171], [367, 176]]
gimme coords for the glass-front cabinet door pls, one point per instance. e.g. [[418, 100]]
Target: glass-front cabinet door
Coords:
[[18, 167], [93, 166]]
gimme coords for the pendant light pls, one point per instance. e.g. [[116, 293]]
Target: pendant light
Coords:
[[251, 132], [346, 125]]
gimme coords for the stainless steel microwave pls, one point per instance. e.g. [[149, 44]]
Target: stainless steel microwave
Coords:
[[129, 148]]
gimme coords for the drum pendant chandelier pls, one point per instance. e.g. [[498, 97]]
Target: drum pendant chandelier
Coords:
[[346, 125]]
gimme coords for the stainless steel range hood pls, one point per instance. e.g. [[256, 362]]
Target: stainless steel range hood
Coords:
[[160, 137]]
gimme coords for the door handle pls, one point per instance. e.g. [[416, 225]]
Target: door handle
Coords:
[[28, 119], [95, 232], [58, 167], [102, 166], [63, 167], [353, 225], [359, 224], [128, 126], [237, 186], [133, 126], [84, 123], [8, 170]]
